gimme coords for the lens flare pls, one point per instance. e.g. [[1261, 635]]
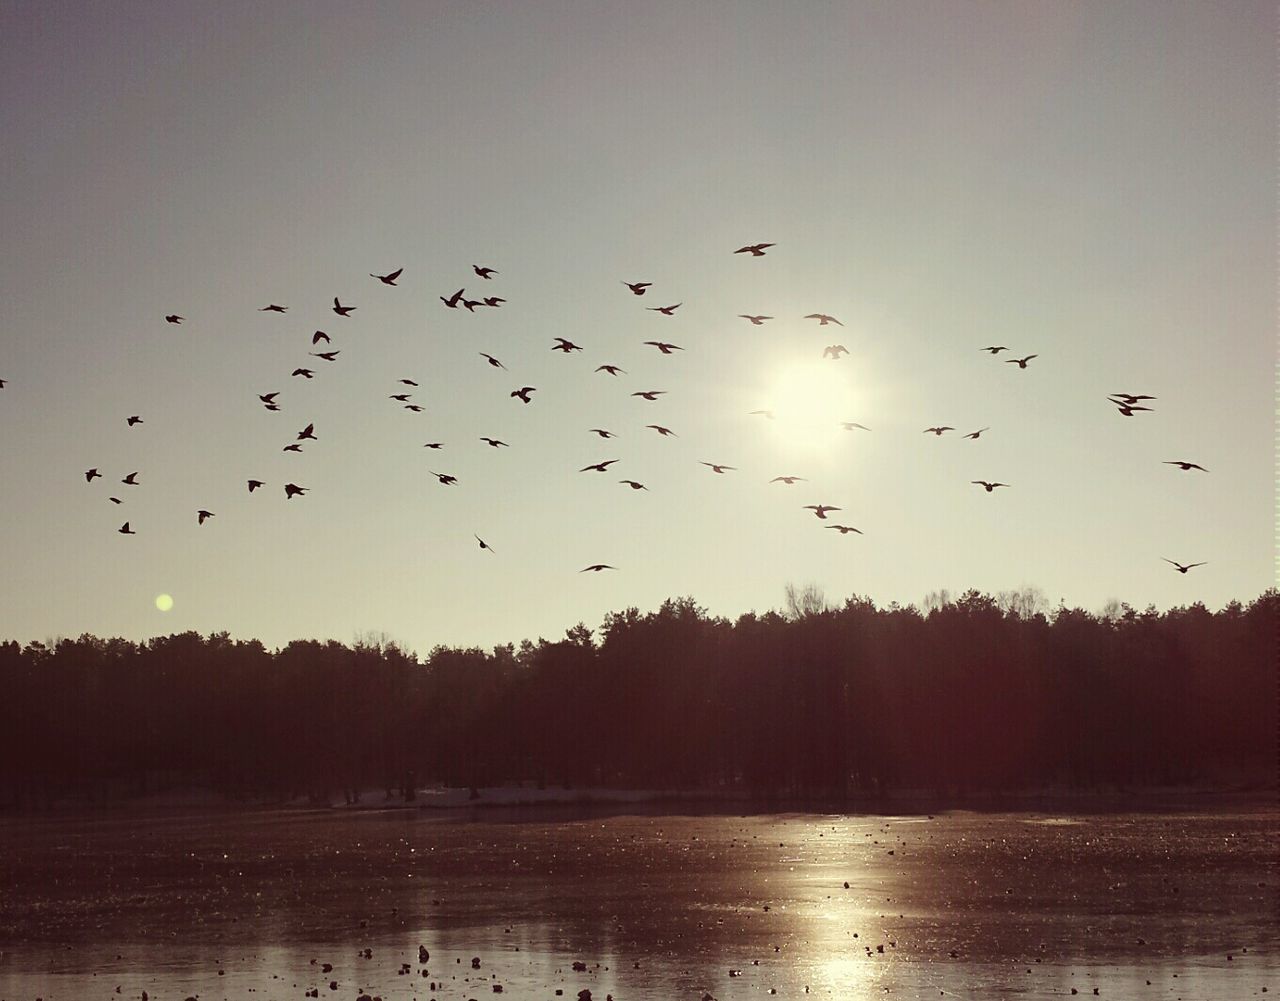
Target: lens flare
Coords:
[[164, 602]]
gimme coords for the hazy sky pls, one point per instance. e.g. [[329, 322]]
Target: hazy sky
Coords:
[[1090, 182]]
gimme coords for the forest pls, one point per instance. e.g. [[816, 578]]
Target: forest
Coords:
[[972, 695]]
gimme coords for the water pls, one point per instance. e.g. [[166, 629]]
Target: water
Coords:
[[961, 904]]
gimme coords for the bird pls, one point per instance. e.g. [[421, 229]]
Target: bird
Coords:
[[565, 345], [471, 304], [131, 480], [664, 347], [483, 272], [307, 433], [937, 430], [788, 480], [340, 309], [273, 308], [650, 394], [834, 351], [400, 397], [599, 467], [434, 444], [202, 516], [1181, 567], [319, 336], [820, 509], [523, 392], [1131, 398], [294, 447], [995, 349], [603, 433], [634, 485], [269, 398], [637, 287], [611, 369], [453, 300], [115, 500], [1020, 362], [665, 432], [414, 407], [988, 486], [1127, 410], [845, 529], [494, 442], [326, 355], [975, 435], [135, 419], [408, 382], [755, 250], [254, 484], [292, 490], [823, 319], [272, 407], [126, 530], [665, 310], [755, 320], [444, 478], [717, 467], [761, 413], [1184, 465], [483, 544], [306, 373], [597, 567], [91, 474], [174, 318], [850, 425], [492, 361], [388, 279], [494, 300]]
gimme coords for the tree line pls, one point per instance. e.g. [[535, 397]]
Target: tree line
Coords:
[[979, 693]]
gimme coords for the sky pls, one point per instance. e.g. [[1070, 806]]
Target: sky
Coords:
[[1092, 183]]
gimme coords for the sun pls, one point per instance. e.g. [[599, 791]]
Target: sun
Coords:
[[810, 400], [164, 602]]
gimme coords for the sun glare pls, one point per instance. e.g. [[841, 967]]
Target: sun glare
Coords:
[[810, 400], [164, 602]]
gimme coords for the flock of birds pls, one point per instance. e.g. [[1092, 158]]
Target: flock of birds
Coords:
[[1127, 404]]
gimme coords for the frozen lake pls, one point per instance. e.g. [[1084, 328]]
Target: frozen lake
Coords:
[[239, 906]]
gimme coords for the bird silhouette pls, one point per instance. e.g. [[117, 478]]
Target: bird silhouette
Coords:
[[126, 530], [269, 398], [292, 490], [602, 432], [494, 442], [483, 544], [1128, 410], [294, 447], [202, 516], [400, 397], [434, 444], [492, 360], [823, 319], [471, 304], [665, 310], [254, 484], [494, 300], [788, 480], [135, 419], [1131, 398], [599, 467], [834, 351], [1182, 568], [272, 407], [444, 478], [665, 432], [319, 336], [820, 509], [664, 347], [768, 414], [413, 407], [637, 287], [650, 394], [717, 467], [755, 250], [340, 309], [597, 567], [483, 272], [131, 480], [611, 369], [453, 300], [523, 393], [995, 349], [1020, 362], [115, 500], [851, 425], [634, 485], [937, 430], [408, 382], [307, 433], [988, 486], [91, 474], [388, 279], [306, 373], [975, 435], [755, 320], [845, 529], [326, 355], [273, 308], [1184, 465], [175, 318], [565, 345]]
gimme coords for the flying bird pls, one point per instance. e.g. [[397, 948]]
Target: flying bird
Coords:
[[755, 320], [1020, 362], [483, 544], [306, 373], [202, 516], [483, 272], [845, 529], [294, 447], [823, 319], [131, 480], [523, 393], [988, 486], [597, 567], [1181, 567], [326, 355], [850, 425], [306, 433], [975, 435], [319, 336], [434, 444], [272, 407], [634, 485], [292, 490], [820, 509], [995, 349], [494, 300], [1131, 398], [126, 530], [175, 318], [269, 398], [565, 346], [92, 474], [755, 250], [834, 351], [400, 397], [340, 309], [937, 431], [135, 419], [1184, 465], [388, 279], [603, 433], [664, 347], [611, 369], [414, 407], [761, 413], [444, 478], [254, 484], [717, 467], [453, 300], [1128, 410], [665, 432], [665, 310], [494, 442], [273, 308], [788, 480], [637, 287], [408, 382], [650, 394], [115, 500], [471, 304], [599, 467], [492, 360]]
